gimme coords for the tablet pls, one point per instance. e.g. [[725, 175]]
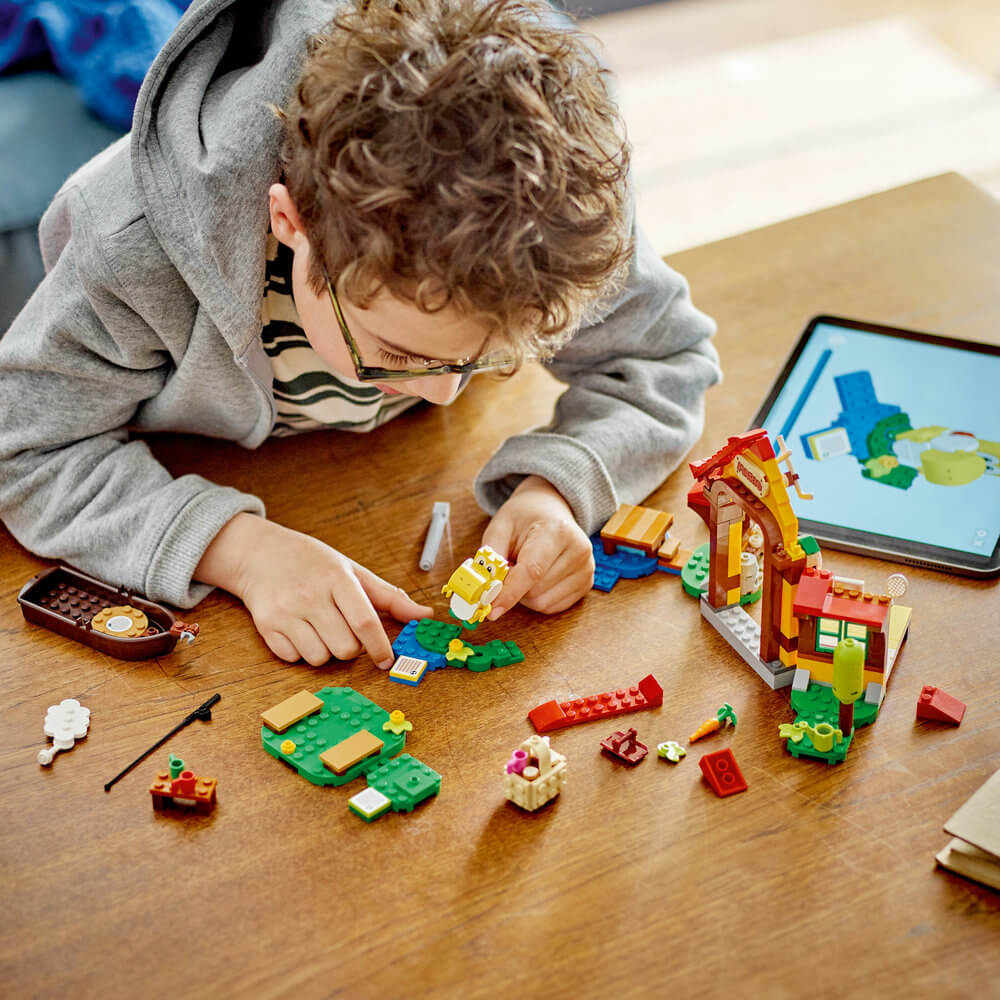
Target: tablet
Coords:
[[897, 436]]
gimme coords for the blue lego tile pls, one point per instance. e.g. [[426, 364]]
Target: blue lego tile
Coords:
[[861, 410], [406, 645], [855, 390], [627, 564], [673, 570]]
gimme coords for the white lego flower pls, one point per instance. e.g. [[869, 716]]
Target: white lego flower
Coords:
[[66, 723]]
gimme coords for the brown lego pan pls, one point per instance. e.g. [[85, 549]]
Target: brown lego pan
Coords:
[[64, 600]]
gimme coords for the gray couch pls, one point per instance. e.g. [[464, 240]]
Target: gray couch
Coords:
[[46, 132]]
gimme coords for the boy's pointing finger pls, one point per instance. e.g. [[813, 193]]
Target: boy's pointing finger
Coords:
[[390, 598]]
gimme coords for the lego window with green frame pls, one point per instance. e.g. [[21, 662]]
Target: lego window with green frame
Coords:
[[829, 631]]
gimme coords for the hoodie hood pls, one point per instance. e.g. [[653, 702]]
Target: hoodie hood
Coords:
[[205, 140]]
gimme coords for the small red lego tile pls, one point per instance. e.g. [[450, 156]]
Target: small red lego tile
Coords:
[[722, 772], [553, 715], [938, 706], [625, 746]]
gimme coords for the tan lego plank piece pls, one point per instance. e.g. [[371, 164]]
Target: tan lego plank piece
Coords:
[[679, 561], [643, 527], [668, 549], [347, 753], [290, 711]]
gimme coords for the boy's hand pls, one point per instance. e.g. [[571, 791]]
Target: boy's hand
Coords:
[[308, 601], [554, 558]]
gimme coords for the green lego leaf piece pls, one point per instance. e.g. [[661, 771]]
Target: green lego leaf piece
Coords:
[[434, 636], [726, 713], [406, 781]]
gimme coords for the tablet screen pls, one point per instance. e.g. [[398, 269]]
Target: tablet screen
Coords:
[[894, 433]]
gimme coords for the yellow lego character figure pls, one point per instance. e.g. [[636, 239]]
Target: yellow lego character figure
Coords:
[[475, 585]]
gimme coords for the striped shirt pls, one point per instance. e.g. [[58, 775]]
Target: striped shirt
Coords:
[[307, 394]]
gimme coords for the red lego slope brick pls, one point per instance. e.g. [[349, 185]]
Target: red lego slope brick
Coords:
[[554, 715], [723, 773], [938, 706]]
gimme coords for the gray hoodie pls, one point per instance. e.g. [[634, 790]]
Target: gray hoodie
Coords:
[[149, 318]]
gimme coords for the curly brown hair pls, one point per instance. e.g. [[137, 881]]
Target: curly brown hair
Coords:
[[461, 153]]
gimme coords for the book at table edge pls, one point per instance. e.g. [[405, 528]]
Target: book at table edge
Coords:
[[974, 851]]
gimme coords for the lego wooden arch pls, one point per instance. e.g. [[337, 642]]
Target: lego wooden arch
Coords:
[[744, 482]]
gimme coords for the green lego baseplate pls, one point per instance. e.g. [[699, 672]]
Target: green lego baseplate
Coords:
[[344, 713], [816, 705], [405, 781], [434, 636]]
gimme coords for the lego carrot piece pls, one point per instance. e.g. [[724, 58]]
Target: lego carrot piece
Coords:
[[708, 726], [723, 715]]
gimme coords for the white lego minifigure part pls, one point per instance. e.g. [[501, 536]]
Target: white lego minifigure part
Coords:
[[467, 611], [751, 574], [66, 723]]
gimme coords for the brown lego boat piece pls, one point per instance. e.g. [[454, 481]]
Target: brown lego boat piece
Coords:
[[111, 620]]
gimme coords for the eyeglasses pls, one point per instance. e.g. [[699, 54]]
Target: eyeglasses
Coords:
[[494, 361]]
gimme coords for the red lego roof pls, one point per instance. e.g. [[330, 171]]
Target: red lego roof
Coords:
[[816, 596], [736, 444]]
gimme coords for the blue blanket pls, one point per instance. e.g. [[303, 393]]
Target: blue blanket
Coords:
[[105, 48]]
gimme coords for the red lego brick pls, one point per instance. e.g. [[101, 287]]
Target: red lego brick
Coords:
[[723, 773], [938, 706], [553, 715], [625, 746]]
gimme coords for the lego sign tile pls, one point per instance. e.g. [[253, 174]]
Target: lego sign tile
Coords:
[[408, 670]]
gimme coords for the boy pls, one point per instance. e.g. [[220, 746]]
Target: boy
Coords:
[[442, 192]]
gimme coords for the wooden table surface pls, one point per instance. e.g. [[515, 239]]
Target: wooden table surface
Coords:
[[818, 881]]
